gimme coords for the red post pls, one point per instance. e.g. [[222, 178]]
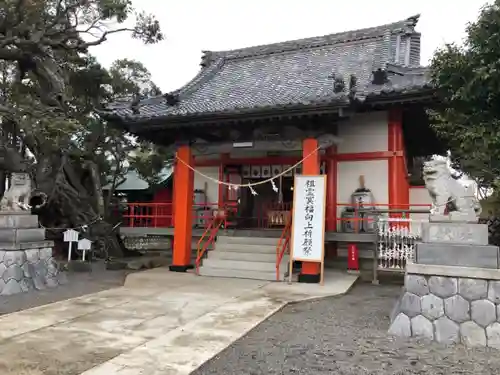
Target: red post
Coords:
[[331, 194], [399, 190], [183, 198], [331, 197], [132, 216], [310, 272], [222, 188], [352, 258]]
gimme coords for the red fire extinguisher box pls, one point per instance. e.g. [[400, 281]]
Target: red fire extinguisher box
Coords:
[[352, 258]]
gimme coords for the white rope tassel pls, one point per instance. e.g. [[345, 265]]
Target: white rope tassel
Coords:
[[252, 190], [275, 188]]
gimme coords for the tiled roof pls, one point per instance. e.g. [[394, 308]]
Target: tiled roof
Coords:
[[294, 73], [133, 181]]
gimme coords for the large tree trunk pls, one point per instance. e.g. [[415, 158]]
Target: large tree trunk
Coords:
[[62, 200]]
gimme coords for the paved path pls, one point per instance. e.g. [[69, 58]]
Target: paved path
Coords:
[[158, 323], [344, 336]]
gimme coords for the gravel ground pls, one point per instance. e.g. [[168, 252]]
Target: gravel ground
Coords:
[[79, 284], [344, 335]]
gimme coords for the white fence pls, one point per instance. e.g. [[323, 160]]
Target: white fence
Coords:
[[396, 240]]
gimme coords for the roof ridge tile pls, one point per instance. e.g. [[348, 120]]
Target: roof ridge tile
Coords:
[[403, 26]]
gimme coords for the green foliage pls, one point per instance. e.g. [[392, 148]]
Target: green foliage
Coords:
[[130, 77], [468, 114], [72, 24], [50, 85], [149, 161]]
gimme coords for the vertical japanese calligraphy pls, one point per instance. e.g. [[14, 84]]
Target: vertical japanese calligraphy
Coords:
[[309, 197], [308, 218]]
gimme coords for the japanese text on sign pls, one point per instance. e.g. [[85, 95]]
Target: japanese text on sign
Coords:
[[309, 196], [308, 217]]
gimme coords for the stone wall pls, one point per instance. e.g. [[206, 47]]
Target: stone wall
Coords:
[[144, 243], [28, 269], [449, 310]]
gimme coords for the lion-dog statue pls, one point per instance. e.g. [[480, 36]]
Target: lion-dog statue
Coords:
[[450, 198]]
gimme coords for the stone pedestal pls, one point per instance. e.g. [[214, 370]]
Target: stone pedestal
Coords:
[[26, 261], [451, 293]]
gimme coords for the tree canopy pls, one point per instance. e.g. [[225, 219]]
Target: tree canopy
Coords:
[[50, 88], [467, 117]]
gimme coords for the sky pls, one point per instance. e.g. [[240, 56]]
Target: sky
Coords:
[[193, 26]]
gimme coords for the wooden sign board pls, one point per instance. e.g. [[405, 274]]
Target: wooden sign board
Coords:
[[308, 221]]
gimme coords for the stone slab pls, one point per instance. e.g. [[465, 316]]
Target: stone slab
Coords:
[[10, 221], [14, 236], [455, 233], [452, 271], [21, 212], [463, 255], [25, 245], [454, 216]]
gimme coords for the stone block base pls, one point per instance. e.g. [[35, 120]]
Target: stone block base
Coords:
[[457, 233], [28, 269], [449, 309], [463, 255]]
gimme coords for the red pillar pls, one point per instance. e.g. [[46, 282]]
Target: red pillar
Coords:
[[399, 192], [331, 193], [183, 196], [223, 160], [311, 166], [331, 196]]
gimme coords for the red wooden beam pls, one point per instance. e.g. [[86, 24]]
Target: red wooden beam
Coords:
[[291, 160], [361, 156]]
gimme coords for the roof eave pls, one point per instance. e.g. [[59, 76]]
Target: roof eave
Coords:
[[232, 115], [423, 95], [136, 125]]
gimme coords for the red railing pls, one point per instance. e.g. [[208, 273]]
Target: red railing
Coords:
[[283, 246], [265, 216], [356, 217], [213, 227], [153, 215], [161, 215]]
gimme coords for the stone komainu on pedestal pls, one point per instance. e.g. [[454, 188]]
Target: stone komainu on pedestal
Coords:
[[26, 261], [451, 200], [452, 291], [16, 198]]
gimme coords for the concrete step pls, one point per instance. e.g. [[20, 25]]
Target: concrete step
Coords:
[[246, 248], [268, 233], [241, 264], [247, 240], [241, 256], [239, 274]]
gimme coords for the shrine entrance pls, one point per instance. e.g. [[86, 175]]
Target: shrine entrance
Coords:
[[267, 206]]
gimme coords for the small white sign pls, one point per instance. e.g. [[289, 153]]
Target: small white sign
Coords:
[[71, 235], [84, 244], [308, 225]]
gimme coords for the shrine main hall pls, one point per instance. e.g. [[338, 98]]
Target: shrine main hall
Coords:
[[350, 105]]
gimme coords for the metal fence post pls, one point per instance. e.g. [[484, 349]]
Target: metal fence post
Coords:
[[375, 253]]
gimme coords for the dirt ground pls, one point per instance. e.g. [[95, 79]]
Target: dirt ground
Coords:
[[79, 284]]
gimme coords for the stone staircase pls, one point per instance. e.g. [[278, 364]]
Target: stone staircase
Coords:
[[244, 258]]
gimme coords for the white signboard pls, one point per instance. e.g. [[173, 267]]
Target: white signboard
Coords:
[[70, 236], [84, 245], [308, 225]]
